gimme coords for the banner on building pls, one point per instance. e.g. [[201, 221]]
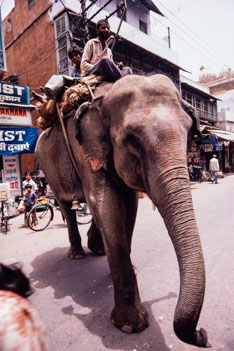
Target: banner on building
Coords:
[[14, 94], [15, 116], [11, 173], [18, 140]]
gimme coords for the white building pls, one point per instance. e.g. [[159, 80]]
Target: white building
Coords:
[[225, 118], [138, 48]]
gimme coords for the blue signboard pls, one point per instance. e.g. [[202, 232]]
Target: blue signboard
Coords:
[[14, 94], [18, 140]]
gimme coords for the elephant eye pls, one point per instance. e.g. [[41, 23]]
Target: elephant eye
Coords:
[[133, 143]]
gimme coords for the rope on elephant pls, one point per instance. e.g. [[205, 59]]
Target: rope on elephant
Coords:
[[73, 97]]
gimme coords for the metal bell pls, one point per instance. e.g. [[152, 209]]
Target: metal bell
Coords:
[[75, 205]]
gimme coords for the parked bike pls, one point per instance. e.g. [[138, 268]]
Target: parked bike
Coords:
[[4, 218], [42, 214]]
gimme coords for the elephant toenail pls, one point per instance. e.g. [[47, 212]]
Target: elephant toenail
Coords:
[[126, 328]]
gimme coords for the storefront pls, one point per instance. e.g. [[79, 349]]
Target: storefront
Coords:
[[16, 133], [214, 141]]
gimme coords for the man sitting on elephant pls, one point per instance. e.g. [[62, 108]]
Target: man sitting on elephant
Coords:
[[97, 56]]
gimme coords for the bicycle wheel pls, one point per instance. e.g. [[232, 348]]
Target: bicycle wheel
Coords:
[[40, 217], [83, 216], [5, 225]]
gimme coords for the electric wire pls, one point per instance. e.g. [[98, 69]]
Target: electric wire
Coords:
[[200, 39], [38, 63], [185, 4], [195, 49]]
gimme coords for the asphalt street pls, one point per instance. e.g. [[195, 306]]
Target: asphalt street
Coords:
[[75, 298]]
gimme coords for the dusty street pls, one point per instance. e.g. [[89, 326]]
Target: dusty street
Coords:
[[75, 298]]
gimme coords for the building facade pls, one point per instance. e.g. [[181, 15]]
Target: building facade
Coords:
[[37, 45], [2, 51]]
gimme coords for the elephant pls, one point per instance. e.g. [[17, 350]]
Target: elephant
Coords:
[[132, 137]]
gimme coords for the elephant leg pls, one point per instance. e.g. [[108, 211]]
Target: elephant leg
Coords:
[[95, 242], [108, 207], [76, 251], [131, 205]]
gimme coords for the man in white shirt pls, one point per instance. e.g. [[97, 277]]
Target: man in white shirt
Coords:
[[214, 167], [29, 181], [97, 57]]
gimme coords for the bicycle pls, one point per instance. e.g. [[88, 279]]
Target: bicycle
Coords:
[[42, 214], [4, 218], [83, 215]]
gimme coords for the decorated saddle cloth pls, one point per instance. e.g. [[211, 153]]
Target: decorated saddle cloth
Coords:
[[72, 98]]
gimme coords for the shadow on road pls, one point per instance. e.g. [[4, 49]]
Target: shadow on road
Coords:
[[88, 282]]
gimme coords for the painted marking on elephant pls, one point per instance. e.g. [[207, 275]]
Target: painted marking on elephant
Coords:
[[147, 112], [95, 164]]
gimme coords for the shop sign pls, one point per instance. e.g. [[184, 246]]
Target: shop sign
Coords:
[[11, 173], [17, 140], [18, 116], [14, 94]]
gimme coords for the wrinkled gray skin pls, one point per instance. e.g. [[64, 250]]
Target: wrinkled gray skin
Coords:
[[135, 138]]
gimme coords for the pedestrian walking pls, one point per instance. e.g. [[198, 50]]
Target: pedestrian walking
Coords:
[[214, 168]]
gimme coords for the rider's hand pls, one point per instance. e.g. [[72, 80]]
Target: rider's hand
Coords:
[[120, 65]]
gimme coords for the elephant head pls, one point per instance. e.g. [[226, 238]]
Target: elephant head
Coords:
[[148, 131]]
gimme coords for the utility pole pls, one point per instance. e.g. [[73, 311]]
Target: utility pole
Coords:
[[169, 37], [84, 25]]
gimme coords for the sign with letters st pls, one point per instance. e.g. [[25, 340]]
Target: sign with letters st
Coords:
[[14, 94], [18, 140]]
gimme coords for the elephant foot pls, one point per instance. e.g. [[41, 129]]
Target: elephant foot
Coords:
[[95, 242], [76, 254], [198, 338], [130, 321]]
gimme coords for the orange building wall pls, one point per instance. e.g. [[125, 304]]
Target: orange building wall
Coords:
[[30, 51]]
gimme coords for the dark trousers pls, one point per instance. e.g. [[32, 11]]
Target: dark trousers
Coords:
[[108, 70]]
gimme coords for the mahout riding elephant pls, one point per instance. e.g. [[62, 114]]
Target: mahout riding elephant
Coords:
[[132, 137]]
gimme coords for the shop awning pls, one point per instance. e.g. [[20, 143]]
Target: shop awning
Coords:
[[11, 105], [222, 134]]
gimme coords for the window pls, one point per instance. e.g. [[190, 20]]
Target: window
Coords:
[[189, 99], [62, 53], [143, 26], [120, 12], [198, 103], [9, 23], [31, 3], [61, 26], [205, 106]]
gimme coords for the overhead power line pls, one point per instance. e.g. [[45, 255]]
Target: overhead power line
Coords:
[[189, 43], [196, 42], [206, 45]]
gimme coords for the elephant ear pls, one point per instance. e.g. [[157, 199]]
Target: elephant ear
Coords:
[[92, 134], [195, 131]]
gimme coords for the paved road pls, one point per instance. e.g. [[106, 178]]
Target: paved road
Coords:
[[75, 298]]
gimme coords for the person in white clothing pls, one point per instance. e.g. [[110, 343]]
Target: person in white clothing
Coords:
[[214, 168], [29, 181], [97, 57]]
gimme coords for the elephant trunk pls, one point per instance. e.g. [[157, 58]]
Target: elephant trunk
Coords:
[[171, 193]]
